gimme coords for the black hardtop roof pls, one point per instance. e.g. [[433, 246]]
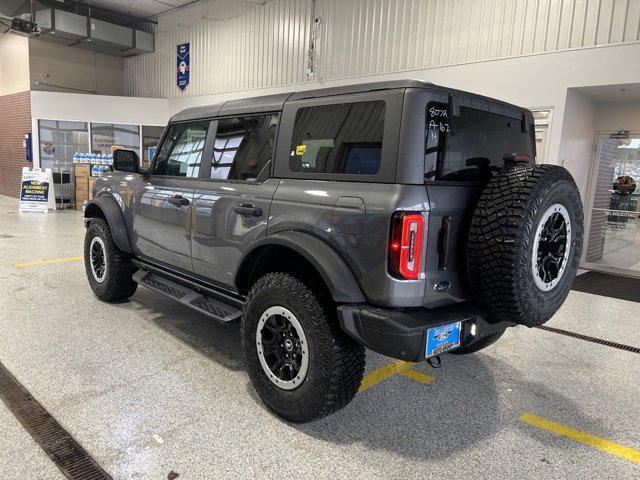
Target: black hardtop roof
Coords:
[[276, 102]]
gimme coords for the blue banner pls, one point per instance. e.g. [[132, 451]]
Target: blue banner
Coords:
[[183, 66]]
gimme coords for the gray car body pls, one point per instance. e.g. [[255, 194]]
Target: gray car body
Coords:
[[339, 223]]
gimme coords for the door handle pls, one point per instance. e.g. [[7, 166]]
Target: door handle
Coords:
[[248, 210], [178, 200]]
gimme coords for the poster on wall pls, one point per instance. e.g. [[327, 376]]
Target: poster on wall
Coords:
[[183, 64], [36, 190]]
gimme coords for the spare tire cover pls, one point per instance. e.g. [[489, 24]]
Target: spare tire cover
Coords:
[[525, 243]]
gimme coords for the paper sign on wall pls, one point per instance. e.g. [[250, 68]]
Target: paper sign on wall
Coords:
[[183, 66]]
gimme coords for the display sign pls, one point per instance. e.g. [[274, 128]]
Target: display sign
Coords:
[[183, 66], [36, 190]]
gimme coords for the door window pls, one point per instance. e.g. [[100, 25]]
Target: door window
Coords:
[[343, 138], [181, 151], [243, 147]]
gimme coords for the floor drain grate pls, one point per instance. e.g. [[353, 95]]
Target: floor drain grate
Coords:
[[587, 338], [62, 448]]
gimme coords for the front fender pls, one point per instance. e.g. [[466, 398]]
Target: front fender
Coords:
[[113, 215], [333, 270]]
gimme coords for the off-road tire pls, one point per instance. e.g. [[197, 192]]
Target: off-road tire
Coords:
[[501, 238], [481, 344], [336, 362], [118, 284]]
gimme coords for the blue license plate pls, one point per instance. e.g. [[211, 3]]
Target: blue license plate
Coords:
[[443, 338]]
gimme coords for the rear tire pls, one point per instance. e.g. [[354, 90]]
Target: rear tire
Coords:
[[328, 366], [525, 243], [481, 344], [108, 269]]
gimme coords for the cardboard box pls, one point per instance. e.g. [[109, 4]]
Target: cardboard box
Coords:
[[82, 170]]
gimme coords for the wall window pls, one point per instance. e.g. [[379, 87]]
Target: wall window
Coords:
[[106, 135], [59, 141], [181, 151], [243, 147], [470, 147], [343, 138], [542, 120], [150, 139]]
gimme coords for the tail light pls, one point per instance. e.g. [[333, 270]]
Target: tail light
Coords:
[[405, 245]]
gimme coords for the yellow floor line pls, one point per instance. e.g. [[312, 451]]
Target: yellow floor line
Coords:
[[399, 367], [581, 437], [45, 262]]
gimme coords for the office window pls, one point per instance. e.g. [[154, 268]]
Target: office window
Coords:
[[343, 138], [181, 151], [243, 147], [106, 135], [59, 141]]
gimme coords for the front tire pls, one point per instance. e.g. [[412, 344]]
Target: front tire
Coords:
[[299, 361], [109, 270]]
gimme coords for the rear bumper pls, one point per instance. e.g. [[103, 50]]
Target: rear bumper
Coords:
[[402, 333]]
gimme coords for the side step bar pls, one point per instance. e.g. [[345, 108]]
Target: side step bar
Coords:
[[192, 297]]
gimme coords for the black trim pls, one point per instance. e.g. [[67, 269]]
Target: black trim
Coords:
[[401, 333], [223, 295]]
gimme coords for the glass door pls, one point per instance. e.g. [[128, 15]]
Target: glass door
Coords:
[[613, 242]]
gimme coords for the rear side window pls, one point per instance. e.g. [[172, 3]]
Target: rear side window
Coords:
[[181, 151], [243, 147], [342, 138], [470, 147]]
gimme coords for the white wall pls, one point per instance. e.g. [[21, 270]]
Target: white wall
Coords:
[[577, 138], [240, 45], [14, 64], [56, 67], [95, 108], [614, 116]]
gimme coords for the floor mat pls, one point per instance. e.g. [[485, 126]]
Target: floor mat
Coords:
[[614, 286]]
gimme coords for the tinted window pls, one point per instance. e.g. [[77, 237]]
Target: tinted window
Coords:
[[181, 151], [471, 146], [243, 147], [344, 138]]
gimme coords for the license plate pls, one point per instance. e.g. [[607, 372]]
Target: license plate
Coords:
[[443, 338]]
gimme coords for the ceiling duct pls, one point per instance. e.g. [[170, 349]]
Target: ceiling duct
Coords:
[[60, 26]]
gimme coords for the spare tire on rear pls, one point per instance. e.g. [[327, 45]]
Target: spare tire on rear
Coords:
[[525, 243]]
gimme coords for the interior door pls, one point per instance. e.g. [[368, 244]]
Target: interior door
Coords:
[[233, 198], [613, 243], [162, 224]]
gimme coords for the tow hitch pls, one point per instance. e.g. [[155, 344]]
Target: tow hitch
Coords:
[[435, 361]]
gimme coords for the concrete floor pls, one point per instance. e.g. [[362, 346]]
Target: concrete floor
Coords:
[[148, 387]]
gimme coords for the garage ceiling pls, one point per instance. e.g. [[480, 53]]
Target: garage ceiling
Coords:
[[138, 8]]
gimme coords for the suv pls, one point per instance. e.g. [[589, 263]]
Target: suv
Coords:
[[399, 216]]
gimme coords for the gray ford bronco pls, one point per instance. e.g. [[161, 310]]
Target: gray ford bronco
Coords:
[[399, 216]]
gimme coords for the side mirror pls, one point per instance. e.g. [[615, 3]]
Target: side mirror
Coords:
[[126, 161]]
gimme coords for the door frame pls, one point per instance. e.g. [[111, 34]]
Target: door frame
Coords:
[[588, 204]]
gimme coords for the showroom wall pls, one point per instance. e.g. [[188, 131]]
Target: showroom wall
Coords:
[[15, 118], [14, 64], [15, 115], [56, 67], [250, 44]]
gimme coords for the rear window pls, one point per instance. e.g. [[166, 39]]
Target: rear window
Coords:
[[470, 147], [342, 138]]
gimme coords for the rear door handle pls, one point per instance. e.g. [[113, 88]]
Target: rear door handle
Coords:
[[444, 243], [179, 200], [248, 210]]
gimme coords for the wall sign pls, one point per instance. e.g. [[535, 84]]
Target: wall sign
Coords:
[[183, 66], [36, 190]]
